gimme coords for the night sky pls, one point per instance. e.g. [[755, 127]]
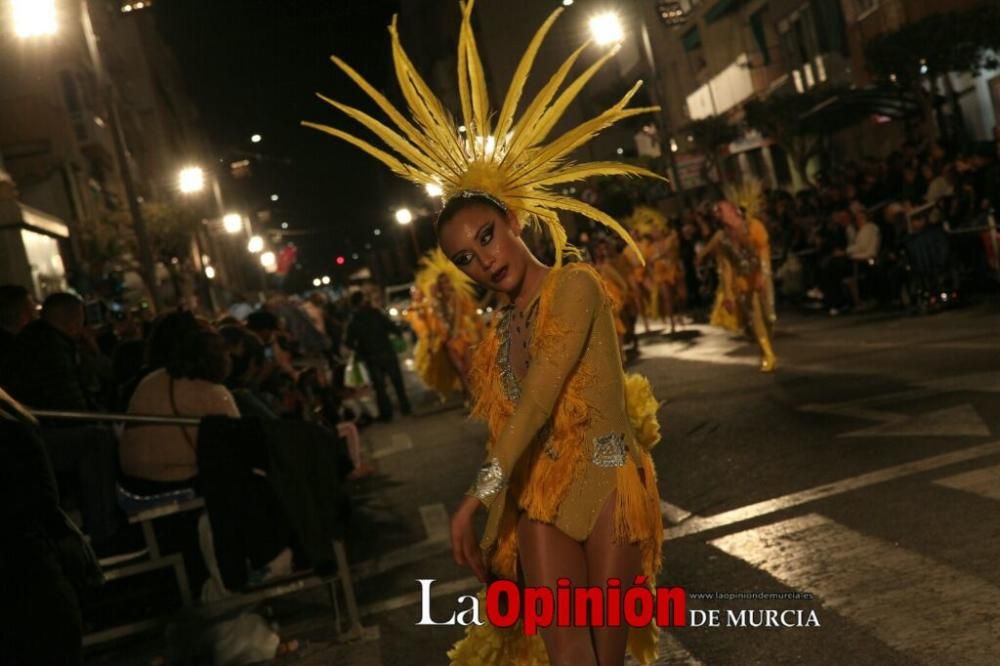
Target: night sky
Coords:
[[253, 66]]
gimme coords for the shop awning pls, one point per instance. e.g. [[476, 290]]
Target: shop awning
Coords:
[[849, 107], [720, 9], [691, 39]]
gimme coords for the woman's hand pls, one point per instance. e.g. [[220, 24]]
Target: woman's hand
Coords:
[[464, 543]]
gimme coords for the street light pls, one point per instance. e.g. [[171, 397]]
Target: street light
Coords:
[[232, 223], [255, 244], [433, 190], [191, 179], [274, 197], [325, 279], [256, 138], [34, 18], [404, 216], [268, 260], [317, 282], [210, 272], [607, 28]]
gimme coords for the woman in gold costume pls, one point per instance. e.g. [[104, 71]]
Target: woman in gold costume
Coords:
[[603, 256], [742, 253], [447, 316], [568, 482], [664, 277]]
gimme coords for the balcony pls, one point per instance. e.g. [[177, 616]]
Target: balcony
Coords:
[[725, 90]]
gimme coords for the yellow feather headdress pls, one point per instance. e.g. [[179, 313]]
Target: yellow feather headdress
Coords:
[[433, 265], [749, 195], [508, 159], [645, 220]]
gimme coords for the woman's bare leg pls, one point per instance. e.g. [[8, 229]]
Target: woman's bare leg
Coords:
[[547, 555], [607, 559]]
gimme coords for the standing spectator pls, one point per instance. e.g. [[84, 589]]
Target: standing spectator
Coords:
[[45, 370], [17, 310], [45, 373], [368, 335]]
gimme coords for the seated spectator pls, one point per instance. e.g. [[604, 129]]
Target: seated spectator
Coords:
[[167, 332], [159, 458], [863, 235], [247, 357], [42, 555], [864, 241]]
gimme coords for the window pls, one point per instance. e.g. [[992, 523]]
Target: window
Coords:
[[757, 24], [865, 7]]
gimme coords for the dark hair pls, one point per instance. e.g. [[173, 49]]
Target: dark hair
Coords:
[[357, 298], [464, 200], [262, 320], [12, 299], [201, 354], [168, 331], [244, 347], [60, 300]]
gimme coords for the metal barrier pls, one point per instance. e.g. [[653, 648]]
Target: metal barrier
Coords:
[[156, 560]]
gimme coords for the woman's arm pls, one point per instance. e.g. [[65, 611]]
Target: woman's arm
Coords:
[[574, 305], [709, 247]]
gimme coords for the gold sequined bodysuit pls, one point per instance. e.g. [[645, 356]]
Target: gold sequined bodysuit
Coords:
[[561, 437]]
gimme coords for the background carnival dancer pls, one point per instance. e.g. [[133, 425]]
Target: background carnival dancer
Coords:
[[580, 501], [603, 254], [450, 325], [740, 246], [664, 274]]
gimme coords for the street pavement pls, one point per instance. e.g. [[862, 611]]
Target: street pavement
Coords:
[[862, 478]]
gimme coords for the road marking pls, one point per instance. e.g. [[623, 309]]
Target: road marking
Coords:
[[959, 421], [673, 513], [399, 441], [985, 482], [894, 423], [697, 524], [914, 604], [712, 345], [448, 588], [435, 520]]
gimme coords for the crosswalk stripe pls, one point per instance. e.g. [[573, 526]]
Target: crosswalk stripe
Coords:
[[985, 482], [696, 524], [925, 609]]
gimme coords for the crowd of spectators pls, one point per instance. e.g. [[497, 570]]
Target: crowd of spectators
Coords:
[[268, 367], [907, 231]]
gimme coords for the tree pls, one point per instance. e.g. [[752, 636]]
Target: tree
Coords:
[[709, 135], [933, 47], [780, 118]]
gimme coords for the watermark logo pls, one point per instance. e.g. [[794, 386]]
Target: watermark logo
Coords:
[[637, 605]]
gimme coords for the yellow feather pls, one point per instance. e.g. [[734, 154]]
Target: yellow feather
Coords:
[[423, 142], [391, 138], [544, 161], [521, 131], [576, 206], [477, 78], [506, 117], [566, 97], [518, 171], [384, 157], [463, 73], [576, 172], [424, 106]]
